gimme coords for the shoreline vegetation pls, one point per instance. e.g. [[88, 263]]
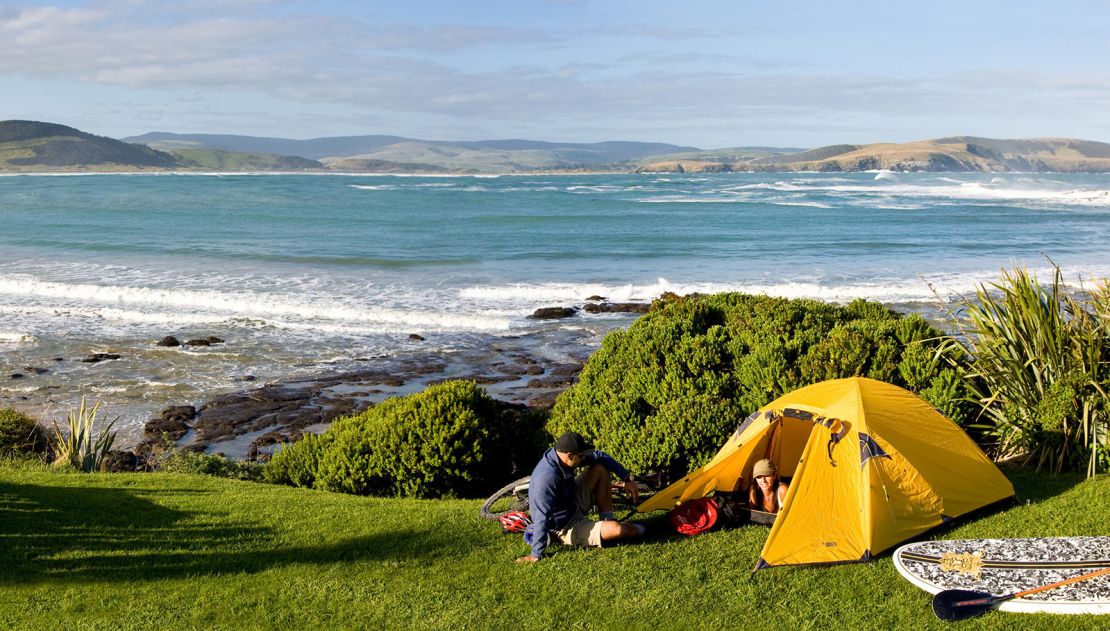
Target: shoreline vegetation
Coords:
[[40, 147], [717, 358]]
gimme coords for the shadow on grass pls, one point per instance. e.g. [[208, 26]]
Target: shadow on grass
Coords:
[[1037, 486], [60, 534]]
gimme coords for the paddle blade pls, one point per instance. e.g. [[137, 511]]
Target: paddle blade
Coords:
[[958, 604]]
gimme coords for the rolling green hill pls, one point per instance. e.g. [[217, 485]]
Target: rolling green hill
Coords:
[[37, 146], [241, 161], [395, 154], [955, 154], [29, 146]]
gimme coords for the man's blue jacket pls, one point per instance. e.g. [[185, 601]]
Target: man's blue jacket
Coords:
[[551, 498]]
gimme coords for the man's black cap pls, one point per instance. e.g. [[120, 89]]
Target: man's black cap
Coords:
[[574, 443]]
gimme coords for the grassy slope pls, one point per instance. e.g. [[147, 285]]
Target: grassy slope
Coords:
[[174, 551], [240, 161], [461, 158], [64, 148], [1057, 154]]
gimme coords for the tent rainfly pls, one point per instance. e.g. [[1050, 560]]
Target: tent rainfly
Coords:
[[870, 466]]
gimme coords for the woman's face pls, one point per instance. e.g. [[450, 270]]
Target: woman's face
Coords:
[[766, 483]]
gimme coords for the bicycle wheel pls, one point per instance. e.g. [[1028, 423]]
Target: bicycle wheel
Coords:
[[511, 497]]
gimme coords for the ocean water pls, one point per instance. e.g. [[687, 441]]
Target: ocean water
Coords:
[[308, 274]]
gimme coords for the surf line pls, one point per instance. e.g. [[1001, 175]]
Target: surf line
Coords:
[[1023, 565]]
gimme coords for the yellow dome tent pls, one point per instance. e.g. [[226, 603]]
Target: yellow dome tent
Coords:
[[871, 465]]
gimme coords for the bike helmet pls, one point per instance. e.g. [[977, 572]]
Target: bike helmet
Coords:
[[514, 521]]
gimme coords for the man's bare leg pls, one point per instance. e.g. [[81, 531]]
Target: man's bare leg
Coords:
[[600, 483], [613, 530]]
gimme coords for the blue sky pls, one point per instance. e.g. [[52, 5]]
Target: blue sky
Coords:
[[703, 73]]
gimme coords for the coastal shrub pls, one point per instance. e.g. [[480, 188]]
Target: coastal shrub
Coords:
[[1040, 368], [296, 464], [451, 440], [78, 446], [20, 434], [666, 393], [177, 460]]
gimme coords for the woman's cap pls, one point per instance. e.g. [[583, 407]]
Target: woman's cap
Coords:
[[763, 467]]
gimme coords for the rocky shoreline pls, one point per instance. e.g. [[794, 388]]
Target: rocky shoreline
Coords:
[[250, 423]]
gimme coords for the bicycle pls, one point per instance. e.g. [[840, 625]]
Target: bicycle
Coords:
[[514, 496]]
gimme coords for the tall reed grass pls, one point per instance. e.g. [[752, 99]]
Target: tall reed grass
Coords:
[[1040, 368]]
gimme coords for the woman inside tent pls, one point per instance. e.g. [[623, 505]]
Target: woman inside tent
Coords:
[[766, 492]]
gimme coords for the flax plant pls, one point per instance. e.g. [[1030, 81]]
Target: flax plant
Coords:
[[1039, 368], [80, 447]]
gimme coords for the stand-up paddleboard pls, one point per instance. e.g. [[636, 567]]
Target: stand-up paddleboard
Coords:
[[1004, 566]]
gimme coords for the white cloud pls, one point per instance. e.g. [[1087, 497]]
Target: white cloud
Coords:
[[347, 70]]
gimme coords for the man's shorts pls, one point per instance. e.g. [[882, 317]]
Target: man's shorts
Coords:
[[581, 532]]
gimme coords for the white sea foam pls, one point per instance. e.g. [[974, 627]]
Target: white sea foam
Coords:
[[892, 290], [327, 307], [777, 202], [15, 337], [978, 191]]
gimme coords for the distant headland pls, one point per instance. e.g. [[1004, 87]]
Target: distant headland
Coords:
[[32, 146]]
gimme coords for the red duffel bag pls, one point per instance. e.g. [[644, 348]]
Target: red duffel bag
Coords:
[[694, 517]]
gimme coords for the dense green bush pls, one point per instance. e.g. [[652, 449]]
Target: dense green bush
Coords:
[[666, 393], [296, 465], [20, 433], [175, 460], [449, 440]]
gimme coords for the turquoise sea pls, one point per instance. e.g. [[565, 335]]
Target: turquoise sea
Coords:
[[305, 274]]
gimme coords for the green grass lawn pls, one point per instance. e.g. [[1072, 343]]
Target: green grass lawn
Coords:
[[163, 551]]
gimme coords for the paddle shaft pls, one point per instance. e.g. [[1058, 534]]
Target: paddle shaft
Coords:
[[1069, 581]]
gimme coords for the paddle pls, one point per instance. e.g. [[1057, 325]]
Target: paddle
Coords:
[[958, 604]]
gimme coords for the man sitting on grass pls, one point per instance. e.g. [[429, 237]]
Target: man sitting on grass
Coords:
[[559, 500]]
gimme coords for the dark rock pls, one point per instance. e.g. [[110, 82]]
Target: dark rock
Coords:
[[544, 401], [618, 307], [198, 343], [553, 313], [212, 339], [172, 421], [169, 340], [265, 440], [246, 378], [534, 370], [416, 338], [99, 357], [59, 359], [596, 298], [236, 414], [118, 461], [179, 412], [16, 375], [35, 370]]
